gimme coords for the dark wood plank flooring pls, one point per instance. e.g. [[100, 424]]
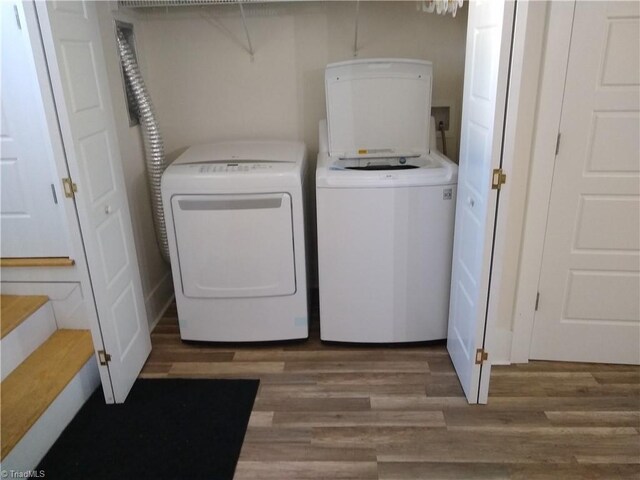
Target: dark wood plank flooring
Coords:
[[347, 412]]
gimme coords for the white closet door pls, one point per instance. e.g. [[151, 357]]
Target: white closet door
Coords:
[[74, 52], [31, 212], [588, 307], [489, 32]]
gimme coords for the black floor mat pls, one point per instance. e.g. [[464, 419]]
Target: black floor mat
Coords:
[[166, 429]]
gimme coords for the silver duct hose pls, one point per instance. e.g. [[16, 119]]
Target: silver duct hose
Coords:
[[152, 138]]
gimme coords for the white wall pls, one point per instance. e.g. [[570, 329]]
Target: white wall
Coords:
[[206, 87], [155, 273]]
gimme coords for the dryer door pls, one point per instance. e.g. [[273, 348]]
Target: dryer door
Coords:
[[232, 246]]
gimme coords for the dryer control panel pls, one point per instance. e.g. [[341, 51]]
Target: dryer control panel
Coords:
[[234, 167]]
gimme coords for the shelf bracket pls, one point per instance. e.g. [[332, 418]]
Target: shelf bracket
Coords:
[[355, 40], [246, 30]]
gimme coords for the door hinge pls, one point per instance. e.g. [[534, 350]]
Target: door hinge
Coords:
[[15, 10], [498, 178], [70, 188], [481, 356], [103, 357], [558, 143], [537, 301]]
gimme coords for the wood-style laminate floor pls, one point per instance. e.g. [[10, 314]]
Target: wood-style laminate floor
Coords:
[[338, 412]]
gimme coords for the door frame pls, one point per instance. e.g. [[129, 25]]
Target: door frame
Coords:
[[527, 50], [543, 156]]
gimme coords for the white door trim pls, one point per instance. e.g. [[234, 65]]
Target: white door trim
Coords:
[[528, 40], [554, 71]]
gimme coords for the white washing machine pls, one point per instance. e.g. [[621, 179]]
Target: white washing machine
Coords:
[[385, 206], [234, 214]]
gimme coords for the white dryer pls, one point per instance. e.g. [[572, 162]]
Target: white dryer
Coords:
[[234, 214], [385, 206]]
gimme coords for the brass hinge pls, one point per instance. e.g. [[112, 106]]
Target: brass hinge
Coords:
[[69, 187], [481, 356], [103, 357], [498, 179]]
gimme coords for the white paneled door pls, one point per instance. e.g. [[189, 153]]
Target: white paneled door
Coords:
[[32, 217], [589, 288], [71, 36], [489, 33]]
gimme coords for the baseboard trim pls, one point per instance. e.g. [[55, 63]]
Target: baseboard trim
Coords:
[[159, 299], [500, 348], [161, 313]]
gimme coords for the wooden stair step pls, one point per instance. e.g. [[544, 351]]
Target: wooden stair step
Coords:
[[35, 384], [37, 262], [15, 309]]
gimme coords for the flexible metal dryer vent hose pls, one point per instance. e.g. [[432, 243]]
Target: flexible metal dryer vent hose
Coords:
[[153, 144]]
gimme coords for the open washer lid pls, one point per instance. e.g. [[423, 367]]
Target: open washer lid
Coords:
[[378, 107]]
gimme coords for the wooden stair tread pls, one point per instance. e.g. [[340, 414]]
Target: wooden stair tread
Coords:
[[15, 309], [35, 384], [37, 262]]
